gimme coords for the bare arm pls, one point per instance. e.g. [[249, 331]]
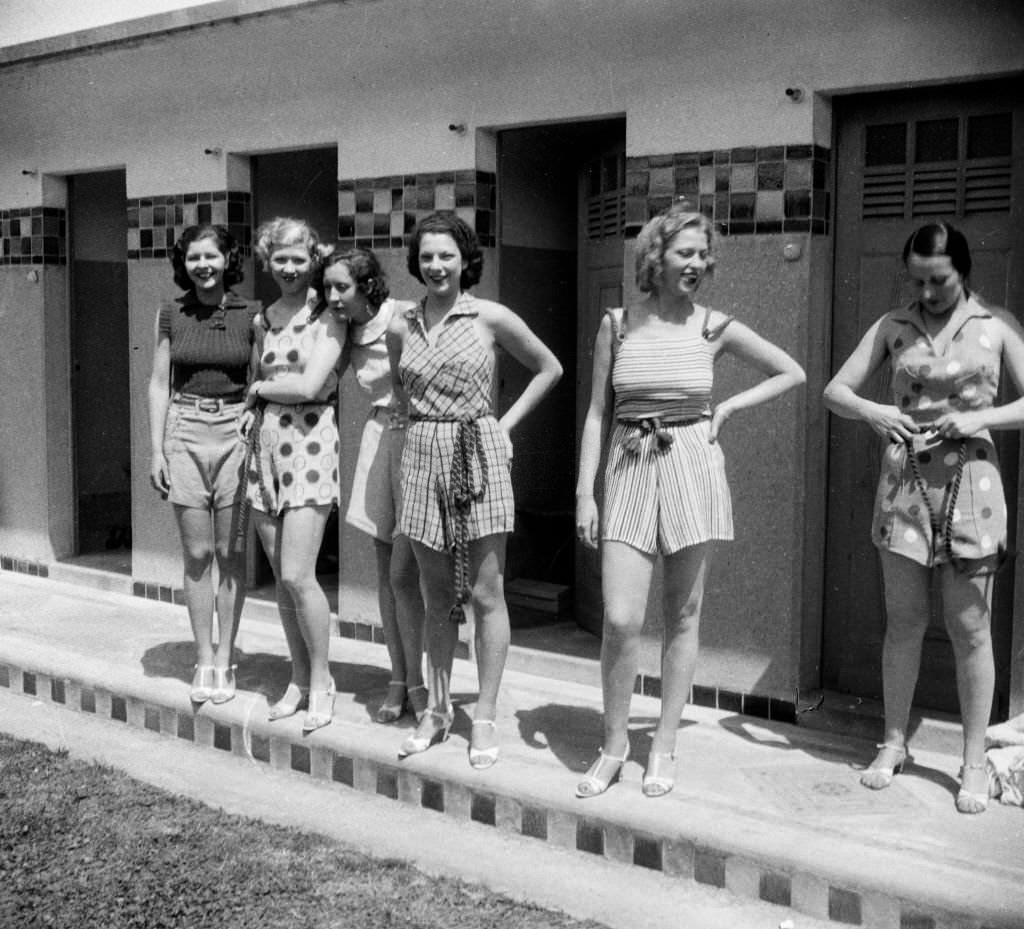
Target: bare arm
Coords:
[[595, 428], [513, 335], [158, 401], [842, 394], [781, 372], [395, 340], [305, 387]]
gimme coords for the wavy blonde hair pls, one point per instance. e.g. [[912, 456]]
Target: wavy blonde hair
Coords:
[[657, 235]]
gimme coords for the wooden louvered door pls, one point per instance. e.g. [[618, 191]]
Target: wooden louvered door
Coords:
[[950, 153]]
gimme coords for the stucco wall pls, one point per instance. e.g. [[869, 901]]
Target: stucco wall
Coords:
[[687, 77]]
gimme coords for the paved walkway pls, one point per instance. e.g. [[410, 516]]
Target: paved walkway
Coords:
[[767, 810]]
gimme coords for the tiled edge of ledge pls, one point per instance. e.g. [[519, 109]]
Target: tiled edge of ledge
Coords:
[[673, 855]]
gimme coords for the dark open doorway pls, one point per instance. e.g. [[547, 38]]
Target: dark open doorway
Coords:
[[99, 366], [302, 184]]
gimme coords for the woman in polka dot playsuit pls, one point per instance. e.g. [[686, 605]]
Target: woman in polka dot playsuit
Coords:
[[940, 506], [293, 479]]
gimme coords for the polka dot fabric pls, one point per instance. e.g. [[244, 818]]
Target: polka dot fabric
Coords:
[[926, 384], [298, 442]]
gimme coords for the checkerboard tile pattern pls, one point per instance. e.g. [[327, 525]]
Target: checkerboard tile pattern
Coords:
[[744, 191], [156, 223], [33, 235], [380, 212]]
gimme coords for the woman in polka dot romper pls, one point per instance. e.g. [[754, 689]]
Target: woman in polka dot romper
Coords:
[[940, 506], [293, 479]]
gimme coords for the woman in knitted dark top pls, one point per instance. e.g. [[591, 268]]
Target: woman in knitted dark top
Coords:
[[196, 394]]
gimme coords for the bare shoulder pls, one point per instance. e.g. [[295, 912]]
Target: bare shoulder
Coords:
[[491, 311]]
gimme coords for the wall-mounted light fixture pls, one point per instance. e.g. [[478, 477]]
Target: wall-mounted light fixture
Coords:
[[457, 128], [211, 151], [29, 172], [795, 94]]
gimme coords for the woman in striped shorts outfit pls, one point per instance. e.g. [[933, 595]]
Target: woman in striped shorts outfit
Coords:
[[457, 507], [665, 487]]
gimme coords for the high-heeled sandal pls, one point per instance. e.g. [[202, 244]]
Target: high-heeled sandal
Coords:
[[432, 730], [878, 777], [202, 683], [418, 700], [223, 685], [602, 774], [317, 716], [967, 801], [392, 709], [482, 758], [295, 698], [660, 776]]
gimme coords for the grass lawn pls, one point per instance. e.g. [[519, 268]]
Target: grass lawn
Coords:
[[84, 846]]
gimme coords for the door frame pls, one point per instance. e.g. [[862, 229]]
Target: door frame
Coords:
[[1015, 303]]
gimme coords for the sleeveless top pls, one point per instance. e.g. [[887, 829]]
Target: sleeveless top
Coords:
[[210, 345], [446, 372], [665, 381], [369, 355]]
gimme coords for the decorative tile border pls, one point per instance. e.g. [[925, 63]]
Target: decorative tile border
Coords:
[[24, 566], [561, 825], [156, 223], [744, 191], [379, 212], [33, 235]]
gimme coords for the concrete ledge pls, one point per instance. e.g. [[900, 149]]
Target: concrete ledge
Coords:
[[758, 861]]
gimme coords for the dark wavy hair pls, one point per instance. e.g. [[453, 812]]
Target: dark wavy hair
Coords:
[[464, 237], [941, 239], [363, 265], [226, 245], [656, 237]]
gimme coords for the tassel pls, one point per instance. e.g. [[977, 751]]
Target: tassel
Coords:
[[457, 614]]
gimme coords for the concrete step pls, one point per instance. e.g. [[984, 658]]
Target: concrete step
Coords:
[[767, 810]]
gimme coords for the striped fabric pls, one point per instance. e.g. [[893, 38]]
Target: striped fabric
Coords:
[[665, 496], [447, 376]]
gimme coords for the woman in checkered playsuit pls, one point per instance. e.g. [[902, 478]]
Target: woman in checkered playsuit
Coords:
[[457, 507]]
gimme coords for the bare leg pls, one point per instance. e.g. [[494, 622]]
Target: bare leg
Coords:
[[906, 606], [269, 530], [967, 605], [440, 633], [625, 582], [194, 527], [405, 585], [302, 531], [685, 572], [490, 612], [230, 588]]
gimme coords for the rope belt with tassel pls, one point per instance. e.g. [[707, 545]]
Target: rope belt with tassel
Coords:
[[455, 505], [940, 531], [656, 426]]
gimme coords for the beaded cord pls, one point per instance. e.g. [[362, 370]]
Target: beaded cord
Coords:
[[252, 459], [468, 445], [954, 492]]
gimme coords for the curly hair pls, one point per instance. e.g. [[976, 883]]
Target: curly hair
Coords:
[[940, 239], [363, 265], [463, 236], [284, 231], [226, 245], [656, 237]]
